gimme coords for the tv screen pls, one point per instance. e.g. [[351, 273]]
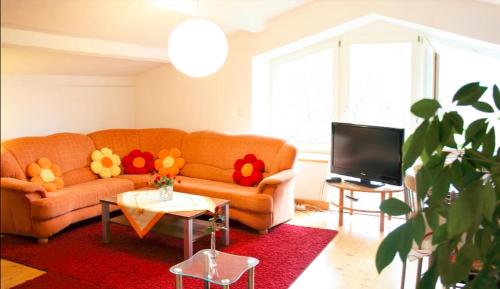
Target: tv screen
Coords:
[[370, 153]]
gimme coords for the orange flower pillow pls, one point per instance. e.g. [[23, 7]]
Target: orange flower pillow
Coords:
[[137, 162], [105, 163], [47, 174], [169, 162], [248, 171]]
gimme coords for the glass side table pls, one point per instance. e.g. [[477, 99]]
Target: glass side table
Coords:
[[218, 268]]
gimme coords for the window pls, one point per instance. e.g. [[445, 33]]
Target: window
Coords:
[[302, 99], [458, 67], [380, 76]]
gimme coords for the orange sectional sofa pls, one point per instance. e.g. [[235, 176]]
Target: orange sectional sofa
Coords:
[[27, 209]]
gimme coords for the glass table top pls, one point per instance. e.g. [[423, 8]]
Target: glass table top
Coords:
[[219, 268]]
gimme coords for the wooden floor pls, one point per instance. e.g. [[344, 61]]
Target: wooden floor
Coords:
[[347, 262], [14, 274]]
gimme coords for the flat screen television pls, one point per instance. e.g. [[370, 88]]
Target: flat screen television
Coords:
[[371, 153]]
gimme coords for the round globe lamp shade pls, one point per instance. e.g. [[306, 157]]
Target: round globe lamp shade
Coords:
[[197, 47]]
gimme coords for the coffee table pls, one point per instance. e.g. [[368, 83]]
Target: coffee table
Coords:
[[225, 269], [183, 225]]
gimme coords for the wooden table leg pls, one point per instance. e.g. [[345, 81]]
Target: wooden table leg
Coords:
[[225, 233], [390, 196], [105, 223], [382, 198], [351, 194], [188, 238], [341, 207]]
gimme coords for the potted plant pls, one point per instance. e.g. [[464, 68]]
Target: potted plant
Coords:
[[469, 230]]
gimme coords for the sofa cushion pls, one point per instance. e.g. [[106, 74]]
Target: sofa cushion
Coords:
[[46, 173], [211, 155], [140, 180], [78, 196], [70, 150], [243, 198]]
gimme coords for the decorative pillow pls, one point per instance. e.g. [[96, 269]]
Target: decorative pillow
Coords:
[[105, 163], [169, 162], [248, 171], [47, 174], [137, 162]]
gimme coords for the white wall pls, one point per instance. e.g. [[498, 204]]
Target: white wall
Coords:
[[44, 104]]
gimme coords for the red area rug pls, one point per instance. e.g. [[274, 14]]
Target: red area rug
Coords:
[[76, 258]]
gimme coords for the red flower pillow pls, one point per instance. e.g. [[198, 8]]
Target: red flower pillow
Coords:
[[248, 171], [137, 162]]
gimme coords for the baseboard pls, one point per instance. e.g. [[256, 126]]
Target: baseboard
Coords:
[[324, 205]]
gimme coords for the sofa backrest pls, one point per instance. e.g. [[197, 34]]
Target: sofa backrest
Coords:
[[122, 141], [211, 155], [70, 151]]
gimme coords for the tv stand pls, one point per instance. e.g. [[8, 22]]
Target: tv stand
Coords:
[[364, 183], [386, 190]]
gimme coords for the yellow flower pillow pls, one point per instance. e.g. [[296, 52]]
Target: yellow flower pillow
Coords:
[[47, 174], [169, 162], [105, 163]]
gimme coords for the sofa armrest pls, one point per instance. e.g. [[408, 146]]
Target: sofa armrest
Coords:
[[22, 187], [276, 179]]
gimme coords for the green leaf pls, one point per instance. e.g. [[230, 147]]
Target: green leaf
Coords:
[[457, 121], [496, 96], [445, 129], [456, 175], [418, 228], [461, 267], [406, 144], [405, 241], [460, 217], [475, 129], [440, 235], [488, 199], [469, 93], [444, 264], [482, 240], [432, 137], [441, 186], [483, 106], [425, 108], [423, 180], [489, 143], [394, 207], [415, 146], [430, 277], [432, 218], [387, 249]]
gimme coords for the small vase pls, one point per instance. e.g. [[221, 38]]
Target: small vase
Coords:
[[166, 193]]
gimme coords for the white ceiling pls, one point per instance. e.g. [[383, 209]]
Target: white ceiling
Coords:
[[143, 22], [111, 33]]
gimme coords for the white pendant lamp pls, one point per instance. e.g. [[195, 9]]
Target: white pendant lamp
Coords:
[[197, 48]]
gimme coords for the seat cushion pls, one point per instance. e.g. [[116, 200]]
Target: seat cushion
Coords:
[[140, 181], [78, 196], [243, 198]]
